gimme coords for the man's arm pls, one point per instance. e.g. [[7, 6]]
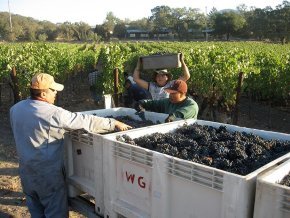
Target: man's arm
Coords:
[[158, 106], [186, 74], [136, 76], [72, 121]]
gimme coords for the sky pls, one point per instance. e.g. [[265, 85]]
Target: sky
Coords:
[[94, 12]]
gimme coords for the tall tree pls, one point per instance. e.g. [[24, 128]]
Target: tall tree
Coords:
[[228, 22], [4, 26], [120, 30], [30, 28], [81, 31], [102, 32], [110, 22], [161, 18], [211, 16], [66, 31], [242, 8], [178, 25], [50, 29], [258, 23], [281, 21], [143, 24], [196, 20]]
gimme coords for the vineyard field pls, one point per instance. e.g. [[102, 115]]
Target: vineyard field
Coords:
[[214, 66], [12, 201]]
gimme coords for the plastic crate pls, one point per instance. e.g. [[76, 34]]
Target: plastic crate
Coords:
[[161, 61], [85, 156], [142, 183], [273, 199]]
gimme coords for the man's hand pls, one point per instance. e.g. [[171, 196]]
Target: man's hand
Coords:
[[140, 110], [138, 107], [122, 126], [139, 63], [169, 119], [186, 74], [182, 58]]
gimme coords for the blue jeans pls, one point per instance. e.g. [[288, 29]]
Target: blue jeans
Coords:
[[96, 97], [52, 206], [46, 194]]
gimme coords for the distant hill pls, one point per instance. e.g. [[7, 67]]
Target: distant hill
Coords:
[[24, 28]]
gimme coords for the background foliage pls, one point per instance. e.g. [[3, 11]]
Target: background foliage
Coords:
[[184, 24], [214, 67]]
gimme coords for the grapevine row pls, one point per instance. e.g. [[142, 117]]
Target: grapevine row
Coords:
[[214, 66]]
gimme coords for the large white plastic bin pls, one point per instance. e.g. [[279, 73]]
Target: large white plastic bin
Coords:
[[85, 156], [144, 183], [272, 199]]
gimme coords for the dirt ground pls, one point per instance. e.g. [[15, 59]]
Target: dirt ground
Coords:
[[12, 200]]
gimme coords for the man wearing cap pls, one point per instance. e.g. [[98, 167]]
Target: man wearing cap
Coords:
[[38, 127], [93, 78], [162, 80], [178, 105]]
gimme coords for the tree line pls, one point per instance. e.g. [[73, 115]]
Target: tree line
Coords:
[[185, 24]]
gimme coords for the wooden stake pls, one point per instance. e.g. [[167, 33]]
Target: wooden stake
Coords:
[[15, 85], [238, 96], [116, 85]]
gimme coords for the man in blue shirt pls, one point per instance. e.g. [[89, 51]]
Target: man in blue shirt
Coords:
[[134, 93], [38, 127]]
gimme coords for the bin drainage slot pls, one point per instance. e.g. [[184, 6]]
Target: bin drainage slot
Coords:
[[134, 155], [196, 174]]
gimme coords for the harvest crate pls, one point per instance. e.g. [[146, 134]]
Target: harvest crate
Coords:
[[85, 156], [161, 61], [273, 199], [143, 183]]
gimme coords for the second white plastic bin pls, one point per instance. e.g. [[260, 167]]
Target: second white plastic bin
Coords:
[[272, 199], [144, 183]]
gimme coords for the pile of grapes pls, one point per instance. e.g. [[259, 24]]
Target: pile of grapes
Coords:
[[236, 152], [286, 180]]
